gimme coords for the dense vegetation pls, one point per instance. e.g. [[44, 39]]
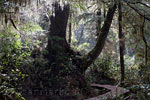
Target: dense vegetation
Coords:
[[56, 49]]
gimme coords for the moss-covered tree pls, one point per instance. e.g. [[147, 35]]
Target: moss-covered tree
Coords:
[[60, 55]]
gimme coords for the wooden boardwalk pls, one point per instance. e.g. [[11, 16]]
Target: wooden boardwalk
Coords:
[[115, 91]]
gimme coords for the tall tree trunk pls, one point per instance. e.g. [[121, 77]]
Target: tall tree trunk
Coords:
[[121, 42], [144, 39], [70, 30]]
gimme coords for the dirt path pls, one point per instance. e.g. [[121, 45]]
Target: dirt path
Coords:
[[115, 91]]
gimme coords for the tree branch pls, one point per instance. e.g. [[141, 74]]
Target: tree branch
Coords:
[[137, 2], [95, 52], [137, 11]]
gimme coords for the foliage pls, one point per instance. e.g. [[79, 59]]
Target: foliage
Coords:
[[13, 53], [144, 73], [30, 27], [23, 50], [101, 71], [12, 56]]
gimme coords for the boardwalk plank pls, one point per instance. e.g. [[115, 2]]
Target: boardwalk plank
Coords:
[[115, 91]]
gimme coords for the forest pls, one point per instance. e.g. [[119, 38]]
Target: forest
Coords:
[[74, 50]]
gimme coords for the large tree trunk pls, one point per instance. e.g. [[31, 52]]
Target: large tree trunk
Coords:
[[60, 52], [121, 43], [57, 45], [58, 48], [58, 30]]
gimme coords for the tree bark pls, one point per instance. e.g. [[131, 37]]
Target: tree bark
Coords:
[[58, 48], [70, 31], [121, 42], [57, 44], [144, 39]]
